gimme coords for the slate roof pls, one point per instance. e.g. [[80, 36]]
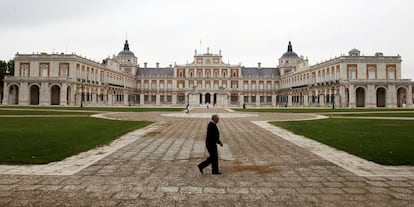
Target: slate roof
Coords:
[[155, 72], [260, 72]]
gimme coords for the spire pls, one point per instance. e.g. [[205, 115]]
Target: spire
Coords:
[[126, 45], [290, 47]]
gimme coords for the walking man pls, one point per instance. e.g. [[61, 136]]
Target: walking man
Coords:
[[212, 139], [187, 108]]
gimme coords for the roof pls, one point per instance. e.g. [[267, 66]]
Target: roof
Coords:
[[155, 72], [126, 51], [290, 53], [264, 72]]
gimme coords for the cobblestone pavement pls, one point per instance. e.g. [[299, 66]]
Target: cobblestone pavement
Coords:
[[259, 169]]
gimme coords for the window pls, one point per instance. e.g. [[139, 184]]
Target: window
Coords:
[[371, 73], [352, 75], [64, 71], [25, 70], [191, 74], [44, 70], [234, 74], [391, 74], [181, 74], [224, 74]]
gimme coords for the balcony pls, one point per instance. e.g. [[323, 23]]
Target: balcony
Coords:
[[39, 79]]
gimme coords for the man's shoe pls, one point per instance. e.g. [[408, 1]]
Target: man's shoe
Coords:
[[216, 173], [201, 169]]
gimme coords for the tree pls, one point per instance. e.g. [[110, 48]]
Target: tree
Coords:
[[6, 68]]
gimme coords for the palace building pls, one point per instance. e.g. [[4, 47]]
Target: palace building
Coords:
[[352, 80]]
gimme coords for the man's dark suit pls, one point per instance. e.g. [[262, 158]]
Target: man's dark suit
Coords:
[[212, 139]]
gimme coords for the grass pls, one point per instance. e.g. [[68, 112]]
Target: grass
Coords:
[[387, 142], [44, 140], [377, 114], [314, 110], [112, 109], [36, 112]]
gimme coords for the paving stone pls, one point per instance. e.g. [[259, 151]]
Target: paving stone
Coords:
[[238, 190], [214, 190], [159, 169]]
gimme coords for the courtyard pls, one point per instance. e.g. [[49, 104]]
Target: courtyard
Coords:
[[156, 166]]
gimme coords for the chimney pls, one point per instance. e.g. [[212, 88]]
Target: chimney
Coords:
[[145, 65], [259, 65], [158, 65]]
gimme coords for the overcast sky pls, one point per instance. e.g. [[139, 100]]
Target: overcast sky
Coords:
[[246, 32]]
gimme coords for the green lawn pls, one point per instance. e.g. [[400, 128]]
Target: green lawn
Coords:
[[36, 112], [407, 114], [313, 110], [114, 109], [387, 142], [44, 140]]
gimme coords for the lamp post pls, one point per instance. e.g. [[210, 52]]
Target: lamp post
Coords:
[[82, 96], [333, 97]]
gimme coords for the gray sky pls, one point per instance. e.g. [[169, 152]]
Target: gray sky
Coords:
[[169, 31]]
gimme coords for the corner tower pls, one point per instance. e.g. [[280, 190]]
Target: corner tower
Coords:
[[127, 60], [288, 61]]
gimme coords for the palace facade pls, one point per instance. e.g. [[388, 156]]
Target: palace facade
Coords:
[[70, 80]]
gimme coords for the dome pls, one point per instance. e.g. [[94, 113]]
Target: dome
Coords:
[[126, 51], [354, 52], [290, 53]]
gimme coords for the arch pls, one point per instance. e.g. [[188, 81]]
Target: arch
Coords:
[[381, 97], [68, 95], [13, 95], [214, 99], [401, 97], [34, 95], [360, 97], [347, 97], [208, 98], [55, 95]]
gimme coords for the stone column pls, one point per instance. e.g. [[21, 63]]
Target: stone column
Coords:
[[44, 94], [257, 99], [273, 100], [410, 97], [126, 97], [305, 100], [289, 99], [63, 94], [24, 94], [157, 99], [174, 99], [6, 90], [352, 97], [391, 99], [241, 100], [371, 96], [141, 99]]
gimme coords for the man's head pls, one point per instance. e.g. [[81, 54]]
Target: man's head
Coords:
[[215, 118]]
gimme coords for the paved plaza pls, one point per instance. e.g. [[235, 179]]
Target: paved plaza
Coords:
[[157, 167]]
